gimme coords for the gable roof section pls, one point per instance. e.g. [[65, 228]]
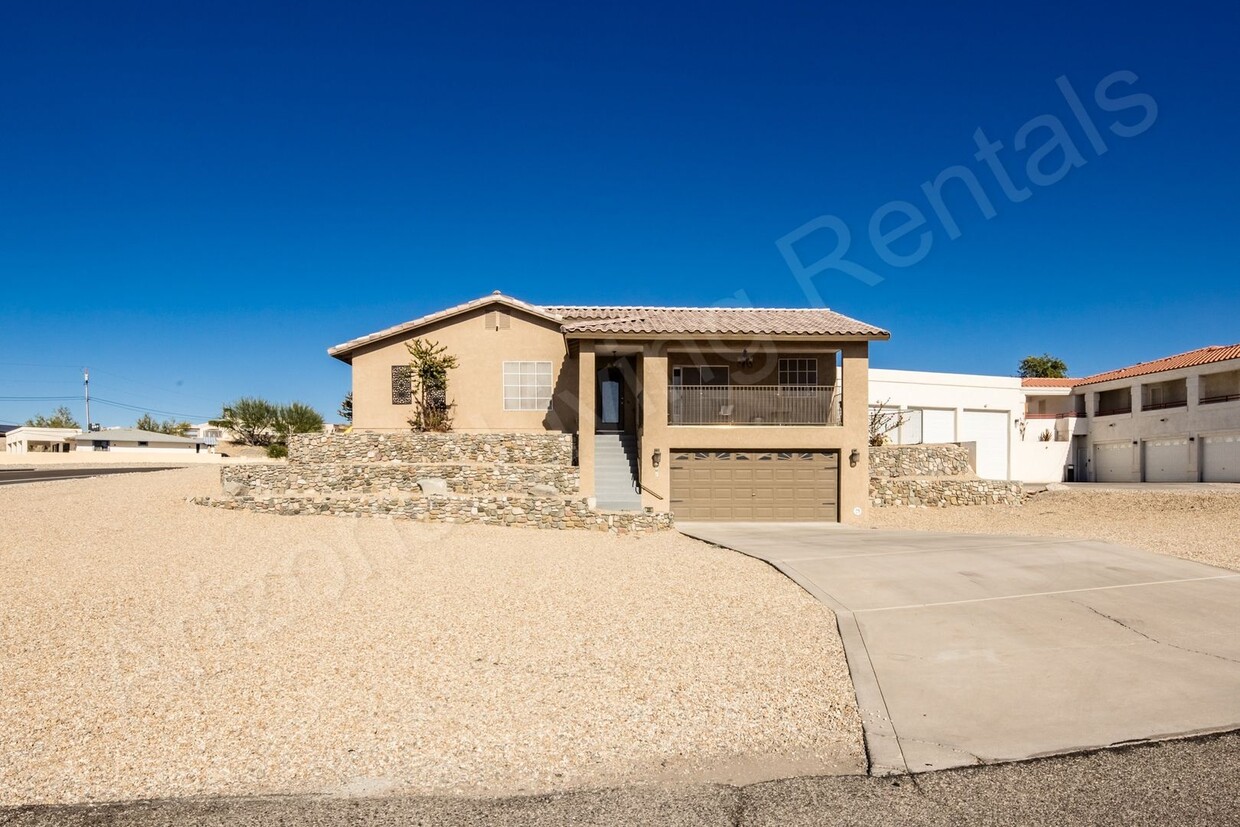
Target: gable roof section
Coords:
[[752, 321], [342, 351], [653, 321], [1191, 359]]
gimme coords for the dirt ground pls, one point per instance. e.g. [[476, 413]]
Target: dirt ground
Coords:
[[153, 648], [1201, 526]]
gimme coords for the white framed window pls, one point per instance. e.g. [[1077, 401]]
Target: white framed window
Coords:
[[527, 386], [800, 371]]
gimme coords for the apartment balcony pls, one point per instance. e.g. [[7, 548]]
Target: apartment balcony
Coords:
[[754, 405]]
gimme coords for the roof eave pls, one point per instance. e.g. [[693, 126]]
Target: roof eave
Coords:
[[344, 351], [748, 337]]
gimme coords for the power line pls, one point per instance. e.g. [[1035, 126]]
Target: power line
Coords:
[[39, 398], [122, 405], [144, 409]]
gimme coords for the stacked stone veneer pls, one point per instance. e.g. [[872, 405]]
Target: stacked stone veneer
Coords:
[[523, 449], [526, 480], [485, 509], [937, 476], [382, 478]]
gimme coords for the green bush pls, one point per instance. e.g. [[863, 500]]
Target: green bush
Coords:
[[277, 451]]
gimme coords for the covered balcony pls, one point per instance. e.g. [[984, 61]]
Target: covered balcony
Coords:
[[754, 405], [772, 389]]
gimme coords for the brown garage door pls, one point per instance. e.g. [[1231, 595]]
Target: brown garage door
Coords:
[[755, 485]]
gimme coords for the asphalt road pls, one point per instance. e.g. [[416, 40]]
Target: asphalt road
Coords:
[[1190, 782], [16, 476]]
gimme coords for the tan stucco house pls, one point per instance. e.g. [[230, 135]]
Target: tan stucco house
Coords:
[[710, 413]]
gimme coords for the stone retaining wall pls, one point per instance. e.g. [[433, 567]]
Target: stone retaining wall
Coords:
[[943, 492], [462, 478], [919, 461], [354, 448], [936, 476], [523, 512]]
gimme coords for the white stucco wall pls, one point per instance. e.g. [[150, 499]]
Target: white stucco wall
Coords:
[[949, 396]]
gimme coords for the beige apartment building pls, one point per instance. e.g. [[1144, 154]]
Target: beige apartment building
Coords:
[[710, 413], [1170, 420]]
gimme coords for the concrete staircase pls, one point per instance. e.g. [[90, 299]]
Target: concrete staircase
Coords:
[[615, 472]]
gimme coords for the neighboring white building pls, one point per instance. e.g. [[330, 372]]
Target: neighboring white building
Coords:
[[122, 440], [31, 440], [987, 412], [1175, 419]]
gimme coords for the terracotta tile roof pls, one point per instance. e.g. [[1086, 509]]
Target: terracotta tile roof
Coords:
[[1191, 359], [754, 321], [1040, 382], [650, 320]]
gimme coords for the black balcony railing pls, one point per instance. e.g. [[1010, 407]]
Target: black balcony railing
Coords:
[[754, 405]]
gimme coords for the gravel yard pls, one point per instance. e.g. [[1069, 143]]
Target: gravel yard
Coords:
[[151, 648], [1201, 526]]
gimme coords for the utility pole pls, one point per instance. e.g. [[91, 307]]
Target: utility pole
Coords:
[[86, 386]]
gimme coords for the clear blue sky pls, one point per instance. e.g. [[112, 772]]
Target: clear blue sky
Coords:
[[197, 199]]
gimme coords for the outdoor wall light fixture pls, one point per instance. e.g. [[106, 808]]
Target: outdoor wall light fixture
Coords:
[[854, 458], [746, 359], [657, 457]]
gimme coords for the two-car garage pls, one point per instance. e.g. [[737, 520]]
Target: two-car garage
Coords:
[[755, 485]]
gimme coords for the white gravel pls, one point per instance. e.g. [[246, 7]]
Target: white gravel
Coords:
[[151, 648], [1199, 525]]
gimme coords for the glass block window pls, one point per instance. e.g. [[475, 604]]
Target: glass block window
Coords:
[[527, 386], [798, 371], [402, 386]]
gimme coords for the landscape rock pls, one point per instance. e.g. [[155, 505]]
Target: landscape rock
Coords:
[[234, 488], [433, 485]]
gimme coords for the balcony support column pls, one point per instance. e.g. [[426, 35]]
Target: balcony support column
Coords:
[[655, 435], [854, 491], [585, 417]]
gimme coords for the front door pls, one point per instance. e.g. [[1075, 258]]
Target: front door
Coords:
[[610, 399]]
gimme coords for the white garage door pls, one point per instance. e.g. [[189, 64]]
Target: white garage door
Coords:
[[1220, 458], [937, 426], [989, 429], [1166, 460], [1113, 462]]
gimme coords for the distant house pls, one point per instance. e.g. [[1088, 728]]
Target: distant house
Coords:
[[27, 439], [4, 430], [134, 441], [210, 434]]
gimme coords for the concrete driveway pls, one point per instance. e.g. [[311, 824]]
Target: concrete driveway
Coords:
[[969, 649]]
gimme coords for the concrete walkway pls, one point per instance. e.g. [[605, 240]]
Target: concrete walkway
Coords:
[[968, 649]]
